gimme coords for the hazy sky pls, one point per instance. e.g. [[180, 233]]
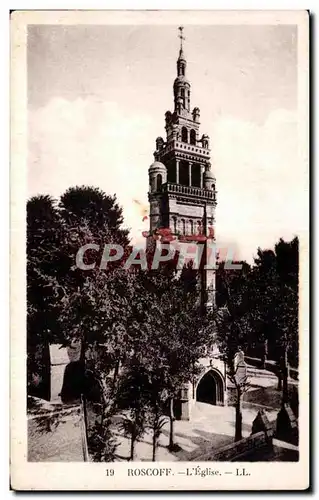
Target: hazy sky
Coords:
[[97, 96]]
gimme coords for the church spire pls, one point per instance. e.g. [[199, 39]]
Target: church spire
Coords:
[[181, 61], [181, 36], [181, 84]]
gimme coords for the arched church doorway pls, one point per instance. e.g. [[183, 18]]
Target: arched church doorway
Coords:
[[210, 388]]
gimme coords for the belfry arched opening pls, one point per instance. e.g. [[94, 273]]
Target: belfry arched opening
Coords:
[[210, 388]]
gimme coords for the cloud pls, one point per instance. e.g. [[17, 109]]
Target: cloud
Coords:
[[259, 180], [91, 142]]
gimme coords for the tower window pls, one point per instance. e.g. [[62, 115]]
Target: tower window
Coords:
[[184, 173], [196, 173], [183, 93], [193, 137], [158, 182], [184, 134], [174, 225], [171, 171]]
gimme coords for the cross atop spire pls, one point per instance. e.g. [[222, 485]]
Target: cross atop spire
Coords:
[[181, 36]]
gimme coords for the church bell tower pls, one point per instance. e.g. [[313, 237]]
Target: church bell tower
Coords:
[[182, 187]]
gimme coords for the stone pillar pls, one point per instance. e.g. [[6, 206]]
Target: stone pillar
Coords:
[[66, 371], [177, 171], [184, 403], [190, 173], [59, 360]]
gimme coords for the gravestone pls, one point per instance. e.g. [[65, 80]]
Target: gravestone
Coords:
[[241, 373], [262, 424], [67, 372], [287, 425], [239, 358]]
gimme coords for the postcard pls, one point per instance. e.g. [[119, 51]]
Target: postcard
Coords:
[[159, 250]]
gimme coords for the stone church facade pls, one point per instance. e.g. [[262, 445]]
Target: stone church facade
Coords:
[[182, 197]]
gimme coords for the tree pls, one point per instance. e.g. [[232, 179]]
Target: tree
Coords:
[[43, 288], [132, 426], [169, 350], [233, 332], [142, 392], [287, 260], [149, 365], [90, 216], [100, 211], [96, 301], [157, 423], [132, 396], [265, 287], [102, 444], [65, 302], [275, 308], [225, 274]]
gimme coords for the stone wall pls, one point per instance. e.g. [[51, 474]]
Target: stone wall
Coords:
[[239, 449]]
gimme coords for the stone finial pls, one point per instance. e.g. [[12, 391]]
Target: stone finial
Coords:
[[205, 141], [196, 114]]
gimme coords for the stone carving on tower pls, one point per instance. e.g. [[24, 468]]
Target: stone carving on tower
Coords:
[[182, 187]]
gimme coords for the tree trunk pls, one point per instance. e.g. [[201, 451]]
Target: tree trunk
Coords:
[[133, 441], [193, 379], [279, 386], [263, 362], [285, 378], [265, 354], [238, 423], [102, 416], [155, 434], [115, 375], [172, 420], [154, 444]]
